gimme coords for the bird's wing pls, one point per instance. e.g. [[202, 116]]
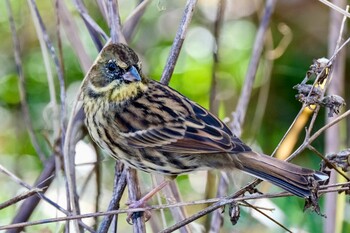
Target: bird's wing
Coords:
[[156, 136], [205, 133], [178, 125]]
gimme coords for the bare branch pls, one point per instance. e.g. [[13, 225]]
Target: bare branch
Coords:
[[71, 28], [75, 122], [114, 22], [133, 19], [241, 109], [20, 197], [134, 195], [270, 218], [218, 202], [214, 108], [91, 24], [178, 41], [336, 8], [118, 190], [21, 86], [55, 59]]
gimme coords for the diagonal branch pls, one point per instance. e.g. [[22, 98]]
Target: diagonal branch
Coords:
[[178, 41], [242, 105]]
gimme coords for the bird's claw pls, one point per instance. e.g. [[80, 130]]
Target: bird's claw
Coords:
[[134, 215]]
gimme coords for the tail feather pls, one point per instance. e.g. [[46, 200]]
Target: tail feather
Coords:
[[290, 177]]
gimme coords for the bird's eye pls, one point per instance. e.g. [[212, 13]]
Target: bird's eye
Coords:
[[112, 67]]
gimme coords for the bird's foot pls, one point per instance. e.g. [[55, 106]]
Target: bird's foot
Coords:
[[132, 216]]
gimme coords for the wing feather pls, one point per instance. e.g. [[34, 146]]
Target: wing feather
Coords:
[[191, 129]]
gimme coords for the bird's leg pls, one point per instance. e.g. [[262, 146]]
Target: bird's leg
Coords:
[[142, 202]]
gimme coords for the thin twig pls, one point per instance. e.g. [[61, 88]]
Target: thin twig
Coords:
[[21, 85], [20, 197], [333, 166], [50, 79], [93, 28], [98, 181], [178, 41], [218, 202], [310, 128], [213, 103], [75, 122], [214, 108], [171, 191], [134, 195], [241, 109], [88, 20], [58, 34], [333, 136], [114, 22], [42, 182], [218, 215], [103, 9], [118, 190], [76, 42], [42, 29], [270, 55], [157, 179], [55, 59], [267, 216], [312, 138], [336, 8], [133, 19], [170, 65], [230, 199], [58, 157]]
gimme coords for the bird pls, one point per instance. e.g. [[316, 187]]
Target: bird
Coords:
[[151, 127]]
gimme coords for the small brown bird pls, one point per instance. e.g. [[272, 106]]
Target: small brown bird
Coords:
[[151, 127]]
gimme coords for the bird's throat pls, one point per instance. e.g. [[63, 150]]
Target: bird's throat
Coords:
[[128, 91]]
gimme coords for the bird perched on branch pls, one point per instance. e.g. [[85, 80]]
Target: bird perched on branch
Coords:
[[151, 127]]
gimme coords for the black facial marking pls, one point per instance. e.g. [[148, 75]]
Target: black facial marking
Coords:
[[93, 94]]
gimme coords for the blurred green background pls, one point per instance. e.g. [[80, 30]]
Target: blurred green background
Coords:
[[307, 24]]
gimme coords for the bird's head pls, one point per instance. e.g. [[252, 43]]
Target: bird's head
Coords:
[[116, 72]]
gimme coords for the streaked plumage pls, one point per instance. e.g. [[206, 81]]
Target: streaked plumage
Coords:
[[154, 128]]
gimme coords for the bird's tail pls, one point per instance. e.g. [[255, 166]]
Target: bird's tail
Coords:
[[292, 178]]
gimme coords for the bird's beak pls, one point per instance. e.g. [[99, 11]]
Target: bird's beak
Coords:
[[132, 75]]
